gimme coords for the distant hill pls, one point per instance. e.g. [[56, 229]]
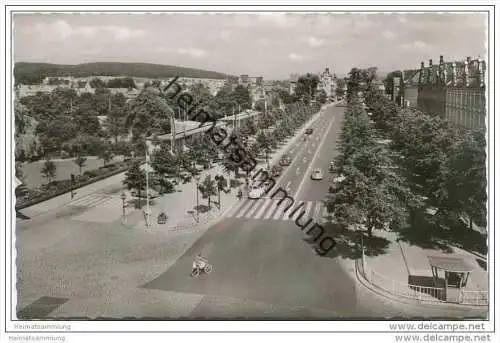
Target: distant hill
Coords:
[[34, 73]]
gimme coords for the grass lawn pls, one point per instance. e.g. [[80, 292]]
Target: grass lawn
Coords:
[[64, 167]]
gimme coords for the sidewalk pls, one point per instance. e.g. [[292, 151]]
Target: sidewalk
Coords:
[[176, 205], [402, 263], [114, 184]]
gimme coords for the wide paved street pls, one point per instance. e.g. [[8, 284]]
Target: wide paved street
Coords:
[[264, 265], [259, 253]]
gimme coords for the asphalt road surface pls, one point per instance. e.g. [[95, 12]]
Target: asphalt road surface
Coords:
[[266, 258]]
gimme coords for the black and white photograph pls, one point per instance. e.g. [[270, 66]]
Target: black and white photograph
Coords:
[[193, 169]]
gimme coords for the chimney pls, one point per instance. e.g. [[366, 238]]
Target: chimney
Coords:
[[467, 72], [429, 74], [441, 69], [482, 70], [420, 76], [454, 73]]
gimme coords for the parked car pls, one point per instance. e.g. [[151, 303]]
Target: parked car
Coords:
[[257, 190], [285, 160], [317, 174], [309, 131], [276, 171]]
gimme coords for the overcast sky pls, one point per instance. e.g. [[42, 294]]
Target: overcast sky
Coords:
[[269, 45]]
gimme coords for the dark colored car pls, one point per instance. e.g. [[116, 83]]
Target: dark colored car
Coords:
[[276, 171], [285, 160], [309, 131]]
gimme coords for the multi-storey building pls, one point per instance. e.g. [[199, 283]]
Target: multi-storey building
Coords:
[[453, 90], [327, 82]]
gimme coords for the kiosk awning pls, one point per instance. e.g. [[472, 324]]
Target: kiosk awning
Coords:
[[454, 263]]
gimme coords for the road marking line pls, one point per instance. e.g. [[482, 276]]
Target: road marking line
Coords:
[[280, 209], [317, 210], [254, 207], [263, 208], [245, 208], [309, 207], [93, 201], [313, 159], [109, 201], [235, 208], [304, 209], [271, 210], [83, 199]]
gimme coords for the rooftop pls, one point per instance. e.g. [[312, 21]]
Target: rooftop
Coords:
[[454, 263], [187, 129], [242, 115]]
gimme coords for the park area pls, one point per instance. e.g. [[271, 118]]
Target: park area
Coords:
[[64, 168]]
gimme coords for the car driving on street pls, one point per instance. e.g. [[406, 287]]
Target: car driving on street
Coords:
[[285, 160], [317, 174]]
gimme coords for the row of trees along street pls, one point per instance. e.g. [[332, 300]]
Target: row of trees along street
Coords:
[[409, 172], [259, 137], [65, 124]]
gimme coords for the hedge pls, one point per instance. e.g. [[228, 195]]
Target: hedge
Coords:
[[78, 184]]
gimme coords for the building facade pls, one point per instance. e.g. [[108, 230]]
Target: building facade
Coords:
[[454, 91], [327, 83]]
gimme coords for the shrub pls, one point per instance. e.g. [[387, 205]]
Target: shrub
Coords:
[[64, 154], [92, 173], [234, 183]]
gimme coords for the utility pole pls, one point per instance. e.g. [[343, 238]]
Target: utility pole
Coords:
[[147, 188], [234, 119], [172, 134], [239, 111], [184, 139]]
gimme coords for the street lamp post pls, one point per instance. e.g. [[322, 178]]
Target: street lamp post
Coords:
[[267, 158], [123, 197], [197, 179], [72, 180]]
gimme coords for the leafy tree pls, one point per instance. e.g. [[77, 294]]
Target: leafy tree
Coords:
[[241, 96], [106, 155], [20, 118], [306, 87], [115, 124], [101, 102], [165, 164], [229, 165], [260, 105], [85, 117], [208, 188], [52, 132], [321, 96], [149, 113], [80, 161], [221, 184], [125, 82], [135, 179], [339, 90], [445, 164], [49, 170], [97, 83]]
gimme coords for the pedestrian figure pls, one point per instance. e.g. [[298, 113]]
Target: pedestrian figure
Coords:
[[240, 193]]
